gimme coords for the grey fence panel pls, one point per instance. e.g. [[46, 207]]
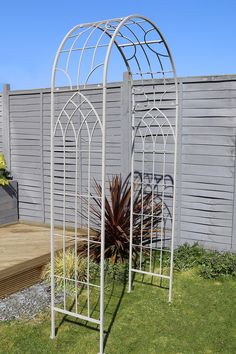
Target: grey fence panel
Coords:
[[26, 144], [206, 178], [208, 162]]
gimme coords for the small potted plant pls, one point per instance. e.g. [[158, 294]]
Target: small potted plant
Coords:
[[8, 194], [4, 173]]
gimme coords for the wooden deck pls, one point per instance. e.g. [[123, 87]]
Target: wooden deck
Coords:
[[24, 250]]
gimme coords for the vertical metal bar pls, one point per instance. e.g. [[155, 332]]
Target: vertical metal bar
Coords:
[[174, 192], [152, 206], [162, 198], [103, 217], [64, 221], [104, 104], [80, 167], [132, 193], [52, 220], [141, 221], [88, 240], [76, 225], [179, 167]]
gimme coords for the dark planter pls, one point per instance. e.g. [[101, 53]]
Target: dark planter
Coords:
[[9, 203]]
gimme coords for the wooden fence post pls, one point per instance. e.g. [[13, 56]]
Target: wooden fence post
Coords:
[[41, 156], [6, 125], [125, 124]]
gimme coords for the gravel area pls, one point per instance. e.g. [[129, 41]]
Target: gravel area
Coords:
[[26, 304]]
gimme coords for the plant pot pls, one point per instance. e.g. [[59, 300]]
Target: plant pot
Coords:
[[9, 203]]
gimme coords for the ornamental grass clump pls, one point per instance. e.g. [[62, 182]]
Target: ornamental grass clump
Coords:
[[64, 266], [117, 220], [4, 173]]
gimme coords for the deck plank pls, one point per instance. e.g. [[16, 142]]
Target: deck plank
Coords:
[[24, 250]]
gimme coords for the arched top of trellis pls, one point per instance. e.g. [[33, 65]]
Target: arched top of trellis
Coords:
[[83, 57]]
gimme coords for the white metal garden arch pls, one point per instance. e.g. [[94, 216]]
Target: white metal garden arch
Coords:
[[87, 56]]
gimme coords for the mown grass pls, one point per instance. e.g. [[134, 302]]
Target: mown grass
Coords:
[[201, 319]]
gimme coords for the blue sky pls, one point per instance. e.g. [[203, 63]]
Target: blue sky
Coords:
[[200, 33]]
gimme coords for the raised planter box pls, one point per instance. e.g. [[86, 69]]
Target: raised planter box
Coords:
[[9, 203]]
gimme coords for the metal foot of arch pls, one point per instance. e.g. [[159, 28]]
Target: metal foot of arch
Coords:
[[87, 118]]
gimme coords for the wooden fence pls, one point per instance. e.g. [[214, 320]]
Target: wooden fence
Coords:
[[206, 210]]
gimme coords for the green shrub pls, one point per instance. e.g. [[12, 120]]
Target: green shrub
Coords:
[[117, 271], [210, 264], [215, 265], [186, 256]]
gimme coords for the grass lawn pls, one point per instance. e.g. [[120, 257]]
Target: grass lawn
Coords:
[[201, 319]]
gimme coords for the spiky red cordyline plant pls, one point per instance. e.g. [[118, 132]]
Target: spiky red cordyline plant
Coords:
[[117, 220]]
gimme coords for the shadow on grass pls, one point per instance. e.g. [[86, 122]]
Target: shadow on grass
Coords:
[[151, 283], [151, 280], [114, 292]]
